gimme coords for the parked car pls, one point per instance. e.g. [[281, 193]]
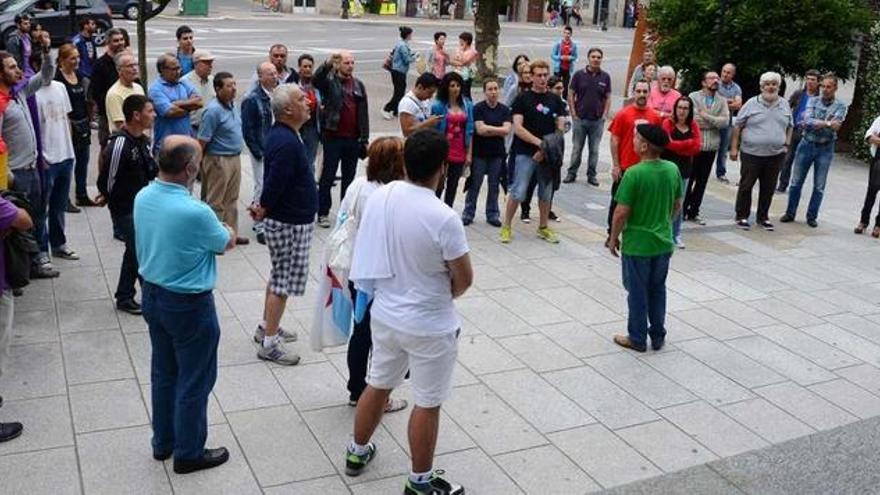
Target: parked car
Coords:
[[130, 9], [54, 16]]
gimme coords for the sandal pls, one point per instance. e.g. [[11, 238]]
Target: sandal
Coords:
[[860, 228], [394, 405]]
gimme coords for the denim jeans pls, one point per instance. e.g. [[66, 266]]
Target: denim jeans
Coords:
[[526, 168], [676, 222], [336, 151], [581, 130], [644, 278], [81, 170], [723, 148], [184, 334], [56, 191], [29, 182], [785, 173], [810, 154], [490, 167], [311, 138], [128, 272]]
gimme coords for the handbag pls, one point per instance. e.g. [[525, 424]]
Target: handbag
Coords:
[[20, 246], [340, 243], [82, 132], [388, 62]]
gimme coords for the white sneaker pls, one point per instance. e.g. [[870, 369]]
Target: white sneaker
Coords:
[[387, 115], [679, 243]]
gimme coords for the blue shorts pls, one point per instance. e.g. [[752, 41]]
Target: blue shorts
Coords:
[[526, 168]]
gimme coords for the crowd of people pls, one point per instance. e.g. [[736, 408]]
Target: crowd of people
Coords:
[[395, 228]]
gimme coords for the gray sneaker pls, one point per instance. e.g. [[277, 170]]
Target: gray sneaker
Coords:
[[286, 336], [278, 354], [324, 222]]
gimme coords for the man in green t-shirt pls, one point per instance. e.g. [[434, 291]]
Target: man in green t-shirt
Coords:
[[648, 198]]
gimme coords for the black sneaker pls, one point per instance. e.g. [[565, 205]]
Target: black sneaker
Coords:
[[812, 223], [129, 306], [8, 431], [524, 216], [355, 464], [743, 224], [85, 201], [552, 216], [435, 486], [786, 218], [568, 179], [467, 221], [593, 181], [766, 225], [210, 458], [494, 222], [70, 208]]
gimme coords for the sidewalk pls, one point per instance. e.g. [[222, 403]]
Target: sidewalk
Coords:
[[772, 337]]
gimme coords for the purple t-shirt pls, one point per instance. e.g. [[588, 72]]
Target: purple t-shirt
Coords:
[[591, 89], [8, 212]]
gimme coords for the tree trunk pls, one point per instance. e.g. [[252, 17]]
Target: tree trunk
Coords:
[[143, 17], [487, 30], [855, 112]]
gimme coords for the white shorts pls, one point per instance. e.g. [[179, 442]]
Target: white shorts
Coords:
[[429, 360]]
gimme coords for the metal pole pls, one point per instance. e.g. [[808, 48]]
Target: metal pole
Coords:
[[71, 7], [719, 31]]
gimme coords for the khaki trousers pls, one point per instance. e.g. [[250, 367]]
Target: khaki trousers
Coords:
[[221, 180]]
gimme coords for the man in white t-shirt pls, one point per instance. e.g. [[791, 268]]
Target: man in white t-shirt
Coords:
[[53, 105], [411, 253], [414, 109]]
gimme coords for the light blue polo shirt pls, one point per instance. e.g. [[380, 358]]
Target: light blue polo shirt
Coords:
[[177, 238], [221, 129], [164, 94]]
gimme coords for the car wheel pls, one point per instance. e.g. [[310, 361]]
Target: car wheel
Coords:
[[131, 12], [100, 35]]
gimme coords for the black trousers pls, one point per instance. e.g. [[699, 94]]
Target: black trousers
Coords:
[[762, 169], [128, 272], [871, 196], [613, 205], [565, 75], [359, 347], [696, 187], [453, 174], [398, 79], [466, 88]]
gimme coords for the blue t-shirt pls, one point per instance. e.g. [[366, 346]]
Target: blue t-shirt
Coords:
[[177, 238], [163, 95], [221, 128]]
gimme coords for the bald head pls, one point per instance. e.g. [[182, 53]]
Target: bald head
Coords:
[[346, 64], [177, 156], [728, 72], [268, 75]]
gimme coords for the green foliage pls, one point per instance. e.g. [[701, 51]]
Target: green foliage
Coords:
[[871, 101], [787, 36]]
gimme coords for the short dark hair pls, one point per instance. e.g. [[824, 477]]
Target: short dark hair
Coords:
[[438, 34], [21, 17], [427, 80], [812, 72], [690, 115], [595, 49], [220, 78], [132, 104], [466, 37], [405, 31], [174, 159], [424, 154], [183, 30], [642, 81], [85, 20], [567, 28], [553, 81], [490, 80], [305, 56]]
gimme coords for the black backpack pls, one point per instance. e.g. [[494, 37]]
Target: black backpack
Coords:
[[20, 246]]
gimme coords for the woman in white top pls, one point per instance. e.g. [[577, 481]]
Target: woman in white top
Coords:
[[385, 164]]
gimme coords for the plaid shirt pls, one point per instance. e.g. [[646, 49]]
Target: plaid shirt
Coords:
[[818, 112]]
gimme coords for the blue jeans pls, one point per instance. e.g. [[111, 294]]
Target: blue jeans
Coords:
[[29, 183], [526, 168], [184, 334], [581, 130], [644, 278], [81, 170], [311, 138], [128, 272], [480, 167], [676, 222], [723, 146], [336, 151], [809, 154], [56, 191]]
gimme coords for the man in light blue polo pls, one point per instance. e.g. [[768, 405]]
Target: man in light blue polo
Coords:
[[174, 101], [177, 238]]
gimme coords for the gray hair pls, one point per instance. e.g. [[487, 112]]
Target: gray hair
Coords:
[[667, 70], [281, 98], [117, 59], [770, 77]]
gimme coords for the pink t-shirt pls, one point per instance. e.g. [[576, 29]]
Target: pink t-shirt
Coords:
[[455, 126], [663, 102]]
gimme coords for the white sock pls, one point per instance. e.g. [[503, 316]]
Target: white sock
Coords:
[[420, 478], [358, 449], [263, 325], [268, 341]]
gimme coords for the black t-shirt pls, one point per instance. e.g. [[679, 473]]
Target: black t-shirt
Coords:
[[539, 111], [685, 163], [486, 146], [77, 94]]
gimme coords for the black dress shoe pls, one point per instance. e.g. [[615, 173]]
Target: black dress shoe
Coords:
[[161, 456], [8, 431], [130, 306], [85, 201], [593, 181], [1, 401], [210, 458], [71, 208], [568, 179], [242, 241]]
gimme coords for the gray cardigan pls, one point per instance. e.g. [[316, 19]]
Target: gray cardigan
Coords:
[[718, 118]]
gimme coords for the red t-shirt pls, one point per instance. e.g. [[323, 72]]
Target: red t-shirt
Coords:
[[624, 126], [348, 125], [565, 49]]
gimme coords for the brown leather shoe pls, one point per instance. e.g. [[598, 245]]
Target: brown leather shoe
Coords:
[[242, 241], [623, 341]]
